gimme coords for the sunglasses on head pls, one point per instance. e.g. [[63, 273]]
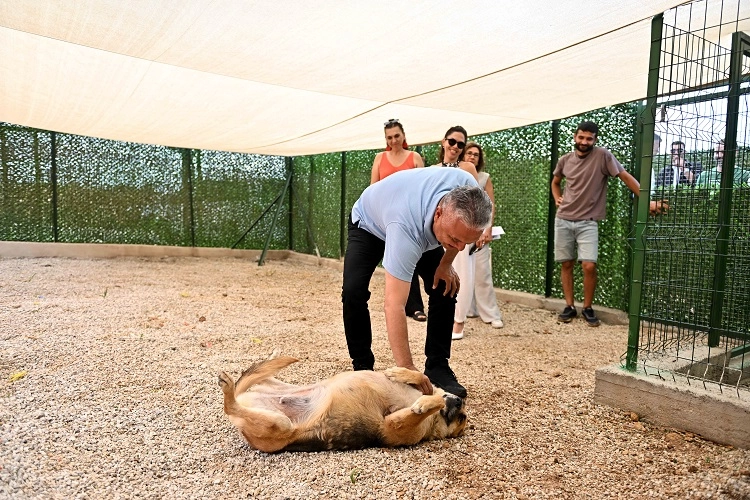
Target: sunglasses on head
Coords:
[[453, 142], [392, 121]]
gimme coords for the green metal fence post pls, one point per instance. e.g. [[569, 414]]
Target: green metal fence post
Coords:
[[289, 162], [342, 209], [550, 267], [635, 160], [187, 179], [740, 46], [310, 196], [53, 180], [648, 116]]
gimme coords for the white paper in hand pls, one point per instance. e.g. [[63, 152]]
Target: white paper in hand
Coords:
[[497, 231]]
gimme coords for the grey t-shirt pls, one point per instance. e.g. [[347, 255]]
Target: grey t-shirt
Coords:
[[399, 210], [585, 194]]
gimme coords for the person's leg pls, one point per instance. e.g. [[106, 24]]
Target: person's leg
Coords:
[[589, 283], [587, 238], [484, 290], [565, 242], [414, 302], [588, 253], [566, 279], [441, 310], [464, 266], [363, 253]]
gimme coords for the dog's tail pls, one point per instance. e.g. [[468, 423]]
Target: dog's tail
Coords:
[[261, 371]]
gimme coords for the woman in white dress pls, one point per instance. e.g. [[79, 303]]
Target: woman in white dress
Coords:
[[477, 294]]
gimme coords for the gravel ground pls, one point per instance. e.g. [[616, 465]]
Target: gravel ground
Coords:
[[108, 390]]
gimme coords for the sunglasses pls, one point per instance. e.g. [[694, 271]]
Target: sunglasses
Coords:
[[392, 121], [453, 142]]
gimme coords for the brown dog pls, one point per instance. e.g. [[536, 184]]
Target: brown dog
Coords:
[[350, 410]]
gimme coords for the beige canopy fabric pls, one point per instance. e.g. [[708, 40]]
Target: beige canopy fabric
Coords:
[[293, 77]]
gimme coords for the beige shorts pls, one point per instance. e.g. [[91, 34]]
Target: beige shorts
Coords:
[[582, 234]]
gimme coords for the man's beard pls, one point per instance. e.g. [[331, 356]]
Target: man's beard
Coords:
[[583, 148]]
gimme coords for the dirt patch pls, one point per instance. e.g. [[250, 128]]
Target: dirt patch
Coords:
[[119, 395]]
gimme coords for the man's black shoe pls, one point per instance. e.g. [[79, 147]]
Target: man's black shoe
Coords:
[[567, 315], [590, 317], [358, 365], [443, 377]]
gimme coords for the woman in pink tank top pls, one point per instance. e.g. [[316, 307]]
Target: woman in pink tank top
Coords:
[[394, 159]]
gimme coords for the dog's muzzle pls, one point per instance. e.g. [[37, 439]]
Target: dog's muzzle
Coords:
[[453, 405]]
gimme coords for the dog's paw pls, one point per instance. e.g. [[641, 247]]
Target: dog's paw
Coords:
[[393, 373], [275, 354], [427, 404], [225, 382], [403, 375]]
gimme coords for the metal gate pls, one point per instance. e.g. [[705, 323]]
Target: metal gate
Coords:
[[690, 295]]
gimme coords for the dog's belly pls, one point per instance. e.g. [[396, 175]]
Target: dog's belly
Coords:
[[356, 411], [296, 405]]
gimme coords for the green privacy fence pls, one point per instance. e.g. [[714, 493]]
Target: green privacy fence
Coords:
[[68, 188], [519, 162]]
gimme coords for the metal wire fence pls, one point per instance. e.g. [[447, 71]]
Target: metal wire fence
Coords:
[[693, 307], [68, 188]]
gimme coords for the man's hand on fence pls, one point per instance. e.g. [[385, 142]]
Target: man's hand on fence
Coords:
[[656, 207]]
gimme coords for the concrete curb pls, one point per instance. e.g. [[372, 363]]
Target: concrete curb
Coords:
[[715, 416]]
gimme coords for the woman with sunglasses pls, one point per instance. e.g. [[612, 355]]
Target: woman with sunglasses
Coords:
[[451, 152], [395, 158], [477, 266]]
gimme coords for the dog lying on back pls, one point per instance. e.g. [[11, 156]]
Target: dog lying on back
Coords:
[[350, 410]]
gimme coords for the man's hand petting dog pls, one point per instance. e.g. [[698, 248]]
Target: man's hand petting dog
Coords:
[[424, 385]]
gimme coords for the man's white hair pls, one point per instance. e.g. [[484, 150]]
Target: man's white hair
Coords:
[[471, 205]]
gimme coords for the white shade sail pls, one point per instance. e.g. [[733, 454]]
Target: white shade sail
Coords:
[[290, 77]]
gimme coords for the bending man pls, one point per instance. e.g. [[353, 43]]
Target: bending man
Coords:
[[406, 219]]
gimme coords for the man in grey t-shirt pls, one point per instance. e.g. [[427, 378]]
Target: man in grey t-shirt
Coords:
[[586, 171], [406, 219]]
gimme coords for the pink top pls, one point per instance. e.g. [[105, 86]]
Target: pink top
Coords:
[[385, 168]]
